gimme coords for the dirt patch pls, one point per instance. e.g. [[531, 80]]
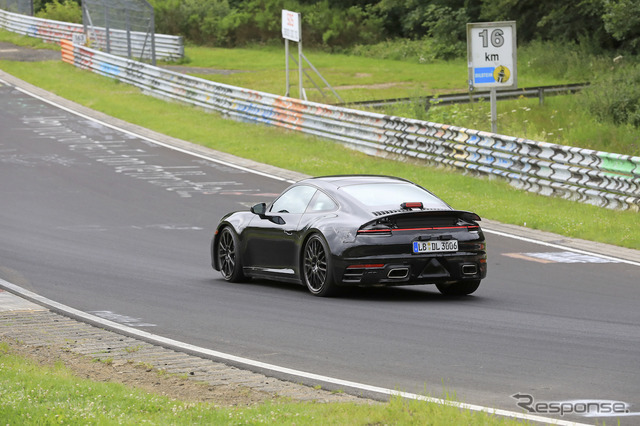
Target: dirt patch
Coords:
[[197, 70], [11, 52], [142, 377], [371, 86]]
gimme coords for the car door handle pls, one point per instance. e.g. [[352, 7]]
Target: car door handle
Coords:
[[287, 232]]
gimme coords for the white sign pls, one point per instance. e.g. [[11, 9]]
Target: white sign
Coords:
[[291, 26], [79, 38], [491, 52]]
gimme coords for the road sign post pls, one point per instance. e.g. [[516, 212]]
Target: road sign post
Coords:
[[292, 30], [491, 56]]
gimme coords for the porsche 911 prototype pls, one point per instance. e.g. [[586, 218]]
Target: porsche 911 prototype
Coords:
[[335, 231]]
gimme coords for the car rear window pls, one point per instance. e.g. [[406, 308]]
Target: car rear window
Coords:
[[392, 195]]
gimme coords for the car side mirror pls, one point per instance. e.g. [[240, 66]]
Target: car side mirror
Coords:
[[259, 209]]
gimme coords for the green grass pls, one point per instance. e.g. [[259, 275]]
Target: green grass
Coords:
[[39, 395], [20, 40], [346, 73], [491, 198], [266, 68]]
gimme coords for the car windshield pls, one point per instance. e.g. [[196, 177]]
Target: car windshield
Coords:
[[392, 195]]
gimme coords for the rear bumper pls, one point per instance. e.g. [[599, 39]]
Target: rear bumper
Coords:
[[410, 270]]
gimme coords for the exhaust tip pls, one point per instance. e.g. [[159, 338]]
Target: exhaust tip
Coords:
[[398, 273], [469, 269]]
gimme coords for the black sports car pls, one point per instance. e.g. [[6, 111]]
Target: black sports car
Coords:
[[361, 230]]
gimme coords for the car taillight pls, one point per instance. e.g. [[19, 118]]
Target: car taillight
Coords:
[[472, 246], [375, 229], [368, 266]]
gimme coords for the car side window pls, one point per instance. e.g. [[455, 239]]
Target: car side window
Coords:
[[321, 203], [294, 201]]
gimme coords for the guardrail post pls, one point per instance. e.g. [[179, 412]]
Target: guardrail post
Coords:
[[106, 27], [152, 30], [128, 29], [540, 96]]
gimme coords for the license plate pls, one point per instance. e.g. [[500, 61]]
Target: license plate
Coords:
[[435, 246]]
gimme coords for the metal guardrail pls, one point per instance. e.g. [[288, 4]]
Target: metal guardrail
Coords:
[[466, 97], [168, 47], [595, 177]]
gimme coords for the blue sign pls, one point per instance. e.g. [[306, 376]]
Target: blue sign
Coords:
[[483, 75]]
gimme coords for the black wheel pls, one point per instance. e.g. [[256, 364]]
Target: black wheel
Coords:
[[316, 267], [460, 288], [228, 256]]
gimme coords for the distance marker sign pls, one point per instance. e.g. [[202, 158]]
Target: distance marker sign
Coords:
[[491, 52]]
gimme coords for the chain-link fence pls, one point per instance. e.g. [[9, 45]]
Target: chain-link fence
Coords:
[[24, 7], [120, 27]]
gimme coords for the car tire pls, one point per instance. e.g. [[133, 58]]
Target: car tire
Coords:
[[460, 288], [229, 259], [316, 267]]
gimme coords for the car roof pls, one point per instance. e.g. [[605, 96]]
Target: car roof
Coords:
[[332, 184], [343, 180]]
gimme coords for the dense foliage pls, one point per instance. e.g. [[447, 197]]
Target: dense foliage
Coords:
[[336, 24]]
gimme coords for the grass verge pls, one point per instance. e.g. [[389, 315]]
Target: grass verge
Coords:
[[20, 40], [42, 395]]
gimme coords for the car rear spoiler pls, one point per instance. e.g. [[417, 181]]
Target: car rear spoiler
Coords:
[[460, 214]]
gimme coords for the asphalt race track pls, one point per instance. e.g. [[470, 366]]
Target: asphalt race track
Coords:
[[111, 224]]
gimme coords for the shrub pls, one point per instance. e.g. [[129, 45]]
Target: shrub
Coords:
[[562, 60], [68, 11], [326, 26], [447, 27], [615, 97], [237, 23], [402, 49], [199, 21]]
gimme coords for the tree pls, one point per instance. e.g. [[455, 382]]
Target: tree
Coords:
[[552, 20], [622, 21]]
